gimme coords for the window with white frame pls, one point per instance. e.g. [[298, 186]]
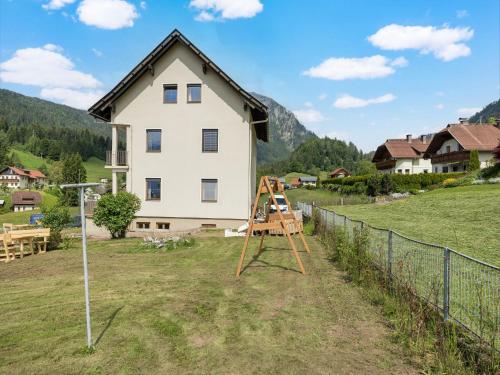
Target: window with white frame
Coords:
[[210, 141], [153, 189], [209, 190], [194, 93]]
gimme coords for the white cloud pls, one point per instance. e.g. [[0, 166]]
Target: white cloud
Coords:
[[143, 5], [399, 62], [107, 14], [308, 104], [309, 115], [348, 101], [439, 106], [97, 52], [322, 96], [468, 111], [46, 67], [462, 13], [444, 43], [57, 4], [350, 68], [226, 9], [73, 98]]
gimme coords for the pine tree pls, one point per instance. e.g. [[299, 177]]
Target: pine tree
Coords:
[[73, 172], [474, 163]]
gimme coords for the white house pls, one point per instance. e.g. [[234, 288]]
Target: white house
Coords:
[[308, 181], [17, 178], [450, 149], [404, 156], [191, 139]]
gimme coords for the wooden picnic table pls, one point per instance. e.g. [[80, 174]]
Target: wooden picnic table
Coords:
[[22, 236]]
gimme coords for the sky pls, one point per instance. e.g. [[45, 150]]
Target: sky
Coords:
[[361, 71]]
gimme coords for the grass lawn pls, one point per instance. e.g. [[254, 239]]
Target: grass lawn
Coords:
[[465, 219], [30, 161], [183, 311]]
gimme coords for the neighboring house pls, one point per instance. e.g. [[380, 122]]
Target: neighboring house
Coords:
[[282, 180], [339, 173], [190, 139], [18, 178], [294, 182], [496, 152], [308, 181], [450, 149], [404, 156], [25, 200]]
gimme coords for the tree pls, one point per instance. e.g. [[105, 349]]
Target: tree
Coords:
[[492, 120], [116, 212], [4, 149], [365, 167], [474, 163], [56, 218], [56, 172], [73, 172]]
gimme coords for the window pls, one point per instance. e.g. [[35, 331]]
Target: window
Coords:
[[162, 226], [210, 142], [208, 190], [194, 93], [448, 149], [142, 225], [153, 140], [445, 169], [400, 171], [426, 170], [169, 93], [209, 226], [153, 189], [407, 171]]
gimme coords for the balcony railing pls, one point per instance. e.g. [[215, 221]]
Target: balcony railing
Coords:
[[116, 159], [385, 164], [450, 157]]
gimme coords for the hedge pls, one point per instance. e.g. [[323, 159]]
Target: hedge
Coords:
[[387, 183]]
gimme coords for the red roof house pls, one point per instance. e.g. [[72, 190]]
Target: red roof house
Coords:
[[339, 172]]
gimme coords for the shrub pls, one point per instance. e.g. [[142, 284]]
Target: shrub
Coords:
[[56, 218], [116, 212], [474, 163], [450, 182]]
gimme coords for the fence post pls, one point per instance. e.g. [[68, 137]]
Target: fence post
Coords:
[[446, 284], [389, 253]]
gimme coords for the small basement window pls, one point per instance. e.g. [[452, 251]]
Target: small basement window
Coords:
[[142, 225], [194, 93], [209, 226], [169, 93], [163, 226]]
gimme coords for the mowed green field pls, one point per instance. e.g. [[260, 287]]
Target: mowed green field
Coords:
[[465, 219], [184, 312], [94, 166]]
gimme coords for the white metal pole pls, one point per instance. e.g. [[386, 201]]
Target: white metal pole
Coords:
[[85, 267]]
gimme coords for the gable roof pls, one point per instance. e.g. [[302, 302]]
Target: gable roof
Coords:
[[338, 171], [400, 148], [25, 172], [481, 137], [102, 109], [26, 198]]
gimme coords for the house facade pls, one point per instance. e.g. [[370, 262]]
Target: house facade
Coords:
[[450, 148], [17, 178], [403, 156], [191, 139], [308, 181], [25, 200], [339, 173]]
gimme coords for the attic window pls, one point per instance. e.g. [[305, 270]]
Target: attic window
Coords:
[[194, 93], [169, 93]]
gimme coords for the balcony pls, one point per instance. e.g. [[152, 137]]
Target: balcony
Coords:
[[117, 159], [450, 157], [385, 164]]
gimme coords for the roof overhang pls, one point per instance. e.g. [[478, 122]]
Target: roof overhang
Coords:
[[103, 108]]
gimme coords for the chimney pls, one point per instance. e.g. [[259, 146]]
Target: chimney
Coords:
[[463, 120], [408, 138], [423, 139]]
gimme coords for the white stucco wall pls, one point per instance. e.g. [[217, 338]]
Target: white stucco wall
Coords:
[[414, 166], [181, 164]]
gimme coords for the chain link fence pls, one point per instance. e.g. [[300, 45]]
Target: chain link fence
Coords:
[[462, 288]]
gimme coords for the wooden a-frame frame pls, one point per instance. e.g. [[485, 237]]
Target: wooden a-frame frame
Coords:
[[265, 186]]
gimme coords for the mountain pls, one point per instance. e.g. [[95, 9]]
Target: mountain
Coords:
[[17, 109], [491, 110], [286, 133]]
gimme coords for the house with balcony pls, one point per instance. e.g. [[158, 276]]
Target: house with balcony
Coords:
[[19, 178], [184, 139], [403, 156], [449, 150]]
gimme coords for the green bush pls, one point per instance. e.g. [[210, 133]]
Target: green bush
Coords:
[[56, 218], [116, 212], [474, 163]]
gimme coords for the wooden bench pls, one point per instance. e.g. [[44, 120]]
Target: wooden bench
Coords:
[[37, 237]]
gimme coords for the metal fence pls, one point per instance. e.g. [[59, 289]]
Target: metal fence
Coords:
[[463, 289]]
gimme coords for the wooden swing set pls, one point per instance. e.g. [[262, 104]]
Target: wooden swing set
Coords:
[[284, 223]]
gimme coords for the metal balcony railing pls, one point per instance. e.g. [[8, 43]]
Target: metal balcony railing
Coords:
[[116, 159]]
